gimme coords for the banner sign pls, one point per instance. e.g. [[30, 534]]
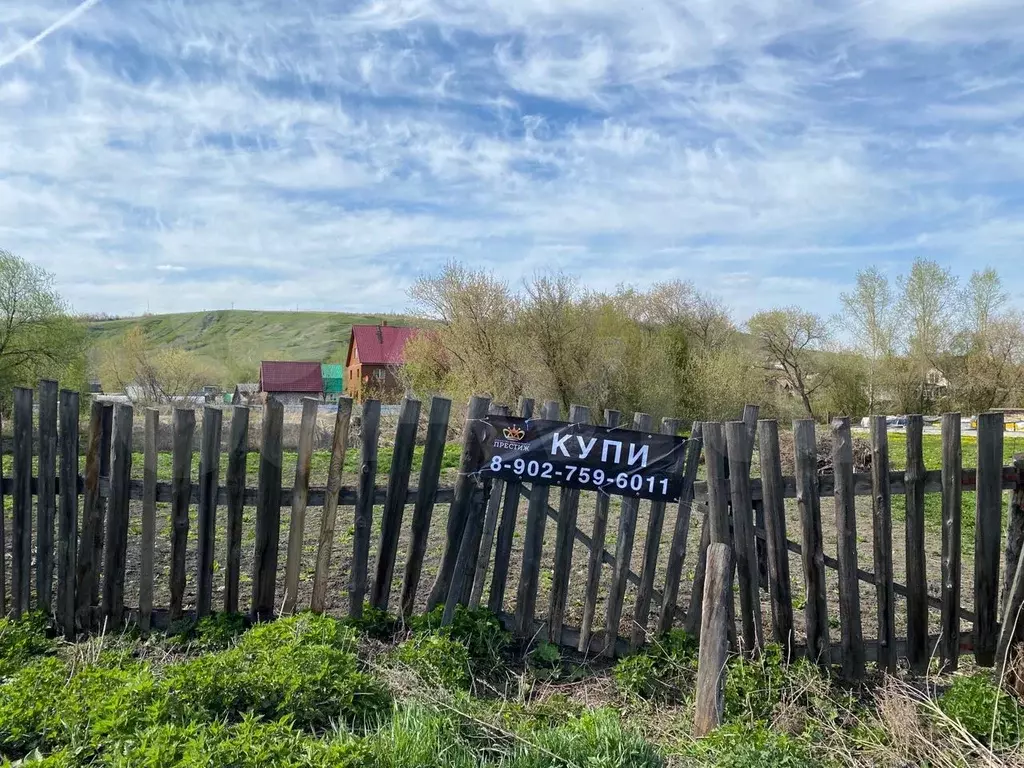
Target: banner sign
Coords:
[[613, 461]]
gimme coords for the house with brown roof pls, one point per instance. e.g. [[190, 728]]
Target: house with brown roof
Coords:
[[376, 354], [290, 382]]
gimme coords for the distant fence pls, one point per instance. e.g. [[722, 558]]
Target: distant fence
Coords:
[[81, 523]]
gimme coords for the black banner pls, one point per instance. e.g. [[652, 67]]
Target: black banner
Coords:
[[613, 461]]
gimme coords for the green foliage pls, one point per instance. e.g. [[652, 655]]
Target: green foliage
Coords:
[[595, 738], [663, 670], [20, 641], [546, 660], [417, 737], [436, 658], [479, 630], [754, 687], [979, 705], [374, 623], [210, 633], [735, 746]]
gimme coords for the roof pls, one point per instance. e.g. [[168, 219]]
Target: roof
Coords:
[[333, 377], [276, 376], [381, 344]]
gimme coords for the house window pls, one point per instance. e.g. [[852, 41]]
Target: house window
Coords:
[[379, 374]]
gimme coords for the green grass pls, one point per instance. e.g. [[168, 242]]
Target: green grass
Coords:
[[233, 342]]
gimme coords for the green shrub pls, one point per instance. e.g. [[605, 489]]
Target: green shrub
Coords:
[[302, 629], [436, 658], [735, 746], [979, 704], [374, 623], [210, 633], [595, 738], [754, 687], [479, 630], [663, 670], [21, 641], [419, 738]]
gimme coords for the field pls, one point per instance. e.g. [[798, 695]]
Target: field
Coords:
[[233, 342]]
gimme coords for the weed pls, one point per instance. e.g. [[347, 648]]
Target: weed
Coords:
[[662, 670], [20, 641], [986, 712], [437, 659], [737, 746], [595, 738], [374, 623], [210, 633], [479, 630]]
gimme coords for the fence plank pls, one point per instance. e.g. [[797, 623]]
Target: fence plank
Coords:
[[328, 520], [21, 530], [506, 530], [394, 502], [209, 477], [595, 551], [430, 472], [238, 449], [458, 510], [987, 530], [568, 510], [533, 543], [738, 449], [809, 505], [87, 568], [370, 430], [116, 547], [46, 501], [3, 525], [183, 425], [490, 524], [917, 575], [691, 622], [780, 588], [67, 517], [268, 512], [750, 414], [852, 635], [952, 499], [623, 553], [714, 640], [98, 536], [149, 480], [1014, 533], [1012, 628], [881, 517], [300, 498]]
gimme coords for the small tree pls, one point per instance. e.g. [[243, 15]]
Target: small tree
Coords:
[[789, 339], [130, 363], [38, 339], [869, 311]]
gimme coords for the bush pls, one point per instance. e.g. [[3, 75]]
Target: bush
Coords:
[[662, 670], [754, 687], [374, 623], [479, 630], [735, 746], [978, 704], [210, 633], [302, 629], [420, 738], [595, 738], [22, 640], [436, 658]]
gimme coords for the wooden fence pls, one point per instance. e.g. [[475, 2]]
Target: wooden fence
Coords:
[[82, 523]]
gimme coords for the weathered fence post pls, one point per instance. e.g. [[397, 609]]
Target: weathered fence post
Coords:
[[852, 636], [677, 550], [881, 514], [394, 501], [1014, 533], [738, 448], [238, 450], [623, 553], [300, 499], [46, 503], [952, 539], [149, 480], [67, 520], [370, 431], [1013, 622], [101, 516], [87, 568], [3, 542], [917, 574], [21, 530], [483, 560], [116, 548], [209, 478], [506, 529], [714, 640], [268, 512], [423, 511], [458, 510], [568, 511], [987, 530], [328, 521], [809, 505], [779, 585], [184, 425]]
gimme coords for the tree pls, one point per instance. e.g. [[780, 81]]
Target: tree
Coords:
[[153, 374], [38, 339], [983, 300], [869, 311], [788, 339]]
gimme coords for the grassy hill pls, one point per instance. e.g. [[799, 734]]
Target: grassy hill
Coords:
[[233, 342]]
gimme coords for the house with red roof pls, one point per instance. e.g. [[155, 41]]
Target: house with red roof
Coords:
[[376, 354], [289, 382]]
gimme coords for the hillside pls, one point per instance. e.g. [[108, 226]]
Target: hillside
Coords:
[[233, 342]]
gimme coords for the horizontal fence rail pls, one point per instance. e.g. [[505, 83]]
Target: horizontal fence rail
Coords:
[[96, 531]]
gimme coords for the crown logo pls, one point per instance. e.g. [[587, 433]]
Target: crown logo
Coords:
[[515, 434]]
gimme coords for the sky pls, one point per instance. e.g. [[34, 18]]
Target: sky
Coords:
[[184, 155]]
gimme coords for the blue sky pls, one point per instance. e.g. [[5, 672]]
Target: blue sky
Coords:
[[196, 154]]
